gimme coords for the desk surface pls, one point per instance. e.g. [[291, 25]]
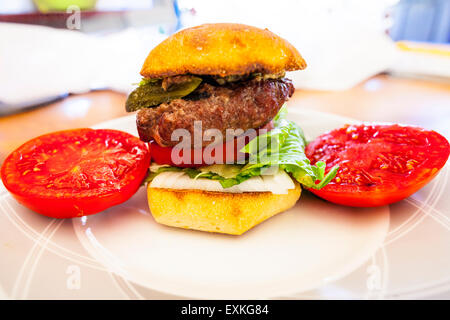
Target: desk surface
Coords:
[[382, 98]]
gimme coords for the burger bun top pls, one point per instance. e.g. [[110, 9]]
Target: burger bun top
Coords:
[[222, 49]]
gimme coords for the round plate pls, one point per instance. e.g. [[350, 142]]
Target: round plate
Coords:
[[412, 262], [301, 249]]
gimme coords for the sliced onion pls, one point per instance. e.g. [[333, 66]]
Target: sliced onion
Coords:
[[278, 183]]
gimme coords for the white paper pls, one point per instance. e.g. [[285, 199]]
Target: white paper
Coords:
[[38, 62]]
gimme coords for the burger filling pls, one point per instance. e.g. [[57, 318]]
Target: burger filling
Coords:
[[223, 103]]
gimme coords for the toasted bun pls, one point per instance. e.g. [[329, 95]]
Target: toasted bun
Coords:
[[222, 49], [231, 213]]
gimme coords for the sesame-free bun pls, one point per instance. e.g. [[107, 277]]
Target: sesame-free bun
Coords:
[[222, 49], [231, 213]]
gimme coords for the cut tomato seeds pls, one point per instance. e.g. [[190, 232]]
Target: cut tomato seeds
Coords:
[[76, 172], [378, 164]]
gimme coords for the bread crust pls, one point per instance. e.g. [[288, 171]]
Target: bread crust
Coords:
[[230, 213], [222, 49]]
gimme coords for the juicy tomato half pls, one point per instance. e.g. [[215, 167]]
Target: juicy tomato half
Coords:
[[228, 152], [76, 172], [378, 164]]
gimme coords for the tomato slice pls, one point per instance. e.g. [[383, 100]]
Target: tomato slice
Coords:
[[379, 164], [228, 152], [76, 172]]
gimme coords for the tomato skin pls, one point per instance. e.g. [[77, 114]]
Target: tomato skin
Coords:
[[163, 155], [76, 172], [379, 164], [365, 197], [61, 208]]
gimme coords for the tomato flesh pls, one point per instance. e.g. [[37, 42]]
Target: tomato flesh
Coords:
[[228, 152], [378, 164], [76, 172]]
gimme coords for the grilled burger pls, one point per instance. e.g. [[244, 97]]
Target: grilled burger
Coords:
[[223, 77]]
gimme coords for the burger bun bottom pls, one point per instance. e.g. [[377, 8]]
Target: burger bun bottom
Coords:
[[230, 213]]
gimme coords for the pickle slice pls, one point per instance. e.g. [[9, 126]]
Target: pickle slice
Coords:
[[150, 93]]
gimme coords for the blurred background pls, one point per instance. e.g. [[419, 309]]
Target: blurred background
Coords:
[[71, 63]]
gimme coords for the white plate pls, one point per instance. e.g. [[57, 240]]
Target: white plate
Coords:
[[295, 251], [286, 256]]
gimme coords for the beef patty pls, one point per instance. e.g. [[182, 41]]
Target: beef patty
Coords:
[[243, 105]]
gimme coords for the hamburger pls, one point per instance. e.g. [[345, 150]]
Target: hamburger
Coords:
[[210, 105]]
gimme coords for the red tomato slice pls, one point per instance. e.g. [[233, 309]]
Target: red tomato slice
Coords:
[[379, 164], [76, 172], [163, 155]]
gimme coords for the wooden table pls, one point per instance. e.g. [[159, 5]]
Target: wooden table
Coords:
[[382, 98]]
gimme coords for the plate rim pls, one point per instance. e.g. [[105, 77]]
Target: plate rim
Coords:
[[291, 111]]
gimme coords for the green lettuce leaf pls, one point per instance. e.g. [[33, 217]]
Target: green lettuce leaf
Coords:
[[284, 146]]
